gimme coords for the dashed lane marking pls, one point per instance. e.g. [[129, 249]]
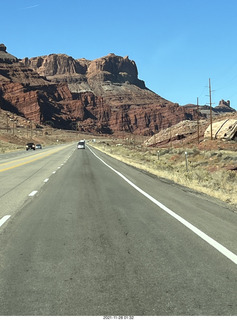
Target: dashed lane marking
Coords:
[[4, 219], [33, 193]]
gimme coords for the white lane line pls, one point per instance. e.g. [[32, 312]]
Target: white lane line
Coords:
[[53, 172], [59, 167], [46, 180], [227, 253], [4, 219], [33, 193]]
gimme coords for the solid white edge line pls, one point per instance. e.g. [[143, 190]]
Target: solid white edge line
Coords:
[[4, 219], [226, 252], [33, 193]]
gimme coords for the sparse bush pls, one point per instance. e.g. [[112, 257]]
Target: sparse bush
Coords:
[[171, 165]]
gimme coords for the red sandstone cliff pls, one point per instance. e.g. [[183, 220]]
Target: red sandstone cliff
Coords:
[[103, 95]]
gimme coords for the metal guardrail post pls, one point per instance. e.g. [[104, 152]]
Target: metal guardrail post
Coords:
[[186, 160]]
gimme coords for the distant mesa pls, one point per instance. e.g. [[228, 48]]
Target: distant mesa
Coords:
[[6, 57], [224, 106]]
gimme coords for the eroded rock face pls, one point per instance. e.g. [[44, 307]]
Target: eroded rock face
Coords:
[[114, 69], [5, 57], [224, 129], [103, 95], [55, 64], [24, 92], [111, 68], [224, 106]]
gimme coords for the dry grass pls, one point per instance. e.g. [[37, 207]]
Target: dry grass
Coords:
[[210, 172]]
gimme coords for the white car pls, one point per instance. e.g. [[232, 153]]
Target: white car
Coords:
[[81, 144]]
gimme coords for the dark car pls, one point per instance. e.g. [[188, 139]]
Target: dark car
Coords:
[[38, 146], [30, 145]]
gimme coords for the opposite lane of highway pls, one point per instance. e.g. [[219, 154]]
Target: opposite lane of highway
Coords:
[[24, 172]]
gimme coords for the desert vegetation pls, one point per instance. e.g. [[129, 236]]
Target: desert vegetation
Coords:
[[213, 171]]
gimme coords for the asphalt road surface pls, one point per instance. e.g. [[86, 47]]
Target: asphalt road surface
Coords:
[[84, 234]]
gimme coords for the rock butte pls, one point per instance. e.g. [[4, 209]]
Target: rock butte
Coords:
[[103, 95]]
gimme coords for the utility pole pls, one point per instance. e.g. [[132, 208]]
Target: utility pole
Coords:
[[31, 129], [210, 106], [198, 137], [170, 136], [27, 129], [7, 123]]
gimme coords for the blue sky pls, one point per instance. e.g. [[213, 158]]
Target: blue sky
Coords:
[[177, 44]]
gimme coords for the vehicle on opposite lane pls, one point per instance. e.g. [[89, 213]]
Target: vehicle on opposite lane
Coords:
[[30, 145]]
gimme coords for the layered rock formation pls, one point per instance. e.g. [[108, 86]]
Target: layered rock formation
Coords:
[[181, 131], [60, 67], [24, 92], [5, 57], [224, 106], [224, 129], [103, 95]]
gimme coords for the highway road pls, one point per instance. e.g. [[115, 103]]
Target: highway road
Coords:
[[84, 234]]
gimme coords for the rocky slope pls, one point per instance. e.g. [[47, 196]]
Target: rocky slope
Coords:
[[104, 95], [193, 132], [6, 57], [24, 92]]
